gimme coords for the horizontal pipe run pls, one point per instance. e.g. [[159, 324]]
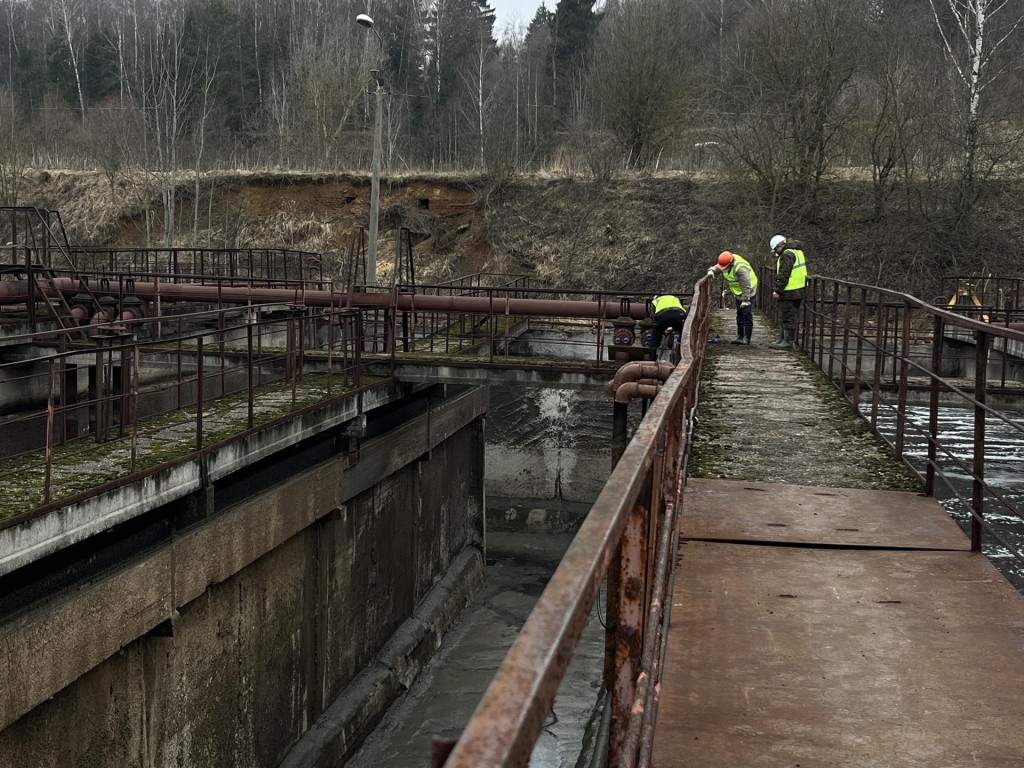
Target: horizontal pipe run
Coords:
[[16, 292]]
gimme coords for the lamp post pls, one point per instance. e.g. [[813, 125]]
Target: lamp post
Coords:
[[371, 255]]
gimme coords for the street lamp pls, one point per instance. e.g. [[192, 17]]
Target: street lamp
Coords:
[[371, 257]]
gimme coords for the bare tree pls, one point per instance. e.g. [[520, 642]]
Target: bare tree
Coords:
[[973, 32], [638, 76], [481, 84], [896, 102], [69, 19], [13, 157], [787, 94], [326, 79], [107, 137]]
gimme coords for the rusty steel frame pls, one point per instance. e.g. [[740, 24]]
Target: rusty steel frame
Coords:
[[632, 522], [899, 319], [262, 266]]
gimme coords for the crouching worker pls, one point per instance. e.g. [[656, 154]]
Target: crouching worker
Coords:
[[668, 313], [742, 282]]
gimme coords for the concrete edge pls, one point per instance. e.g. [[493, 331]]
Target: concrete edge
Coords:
[[352, 716]]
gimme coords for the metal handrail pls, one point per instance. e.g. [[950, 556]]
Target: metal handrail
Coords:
[[644, 493], [845, 325], [123, 406]]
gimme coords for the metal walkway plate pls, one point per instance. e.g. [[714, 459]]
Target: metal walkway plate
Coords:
[[854, 658], [736, 510]]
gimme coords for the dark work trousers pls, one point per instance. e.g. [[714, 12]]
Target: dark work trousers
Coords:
[[744, 320], [667, 318], [789, 311]]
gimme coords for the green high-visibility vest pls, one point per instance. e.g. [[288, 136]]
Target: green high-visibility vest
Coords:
[[733, 281], [798, 277], [667, 302]]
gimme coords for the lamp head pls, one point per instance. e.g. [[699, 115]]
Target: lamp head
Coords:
[[364, 21]]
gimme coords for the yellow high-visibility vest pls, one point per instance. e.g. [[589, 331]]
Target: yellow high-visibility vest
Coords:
[[667, 302], [730, 274], [798, 277]]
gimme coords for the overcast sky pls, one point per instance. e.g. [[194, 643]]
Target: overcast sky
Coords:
[[517, 10]]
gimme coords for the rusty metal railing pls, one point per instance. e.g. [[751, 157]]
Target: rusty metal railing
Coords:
[[152, 392], [630, 536], [880, 348], [269, 267], [497, 333]]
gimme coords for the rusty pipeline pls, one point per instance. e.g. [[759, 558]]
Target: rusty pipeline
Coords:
[[17, 292], [639, 379]]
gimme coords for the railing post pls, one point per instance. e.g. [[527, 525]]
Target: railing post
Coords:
[[858, 355], [817, 324], [844, 364], [938, 329], [629, 623], [901, 393], [832, 338], [880, 340], [613, 610], [977, 484]]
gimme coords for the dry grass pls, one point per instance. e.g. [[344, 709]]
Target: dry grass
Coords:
[[637, 232]]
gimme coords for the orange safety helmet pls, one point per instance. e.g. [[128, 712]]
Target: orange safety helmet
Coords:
[[724, 259]]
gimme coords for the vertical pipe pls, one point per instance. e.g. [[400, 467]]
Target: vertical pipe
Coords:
[[221, 334], [249, 389], [179, 371], [290, 354], [331, 317], [49, 434], [133, 383], [199, 394]]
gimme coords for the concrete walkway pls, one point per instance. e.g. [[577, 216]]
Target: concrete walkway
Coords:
[[817, 621], [770, 415]]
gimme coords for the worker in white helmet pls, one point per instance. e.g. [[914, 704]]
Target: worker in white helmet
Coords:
[[790, 287]]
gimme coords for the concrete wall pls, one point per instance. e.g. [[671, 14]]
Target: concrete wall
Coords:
[[278, 629], [548, 456]]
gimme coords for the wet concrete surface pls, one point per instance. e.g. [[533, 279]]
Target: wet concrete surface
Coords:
[[443, 697], [548, 443], [770, 415]]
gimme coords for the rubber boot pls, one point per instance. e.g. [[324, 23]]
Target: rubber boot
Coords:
[[739, 340], [786, 342], [779, 343]]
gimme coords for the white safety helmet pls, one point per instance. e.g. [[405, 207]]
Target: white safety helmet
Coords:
[[777, 241]]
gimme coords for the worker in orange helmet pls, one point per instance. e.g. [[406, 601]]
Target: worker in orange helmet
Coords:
[[742, 282]]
